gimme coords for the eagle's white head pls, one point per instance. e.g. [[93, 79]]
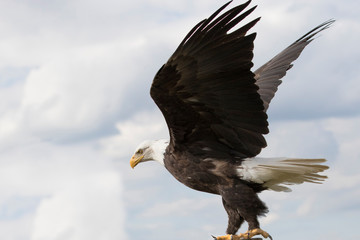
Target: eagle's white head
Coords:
[[150, 150]]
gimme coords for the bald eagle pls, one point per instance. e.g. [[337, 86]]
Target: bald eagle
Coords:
[[215, 109]]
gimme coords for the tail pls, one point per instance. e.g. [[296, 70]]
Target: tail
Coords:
[[274, 173]]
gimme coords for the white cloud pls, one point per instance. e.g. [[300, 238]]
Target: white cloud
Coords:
[[305, 207], [88, 210], [73, 93], [345, 129], [269, 218], [77, 92], [143, 126], [16, 229], [301, 138], [181, 207], [77, 192]]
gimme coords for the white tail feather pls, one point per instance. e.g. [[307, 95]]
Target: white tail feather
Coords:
[[273, 172]]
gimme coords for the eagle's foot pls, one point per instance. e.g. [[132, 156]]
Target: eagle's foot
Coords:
[[253, 232], [226, 237], [248, 235]]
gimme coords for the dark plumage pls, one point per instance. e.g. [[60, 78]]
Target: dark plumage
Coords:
[[215, 108]]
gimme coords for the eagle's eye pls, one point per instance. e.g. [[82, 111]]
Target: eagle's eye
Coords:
[[140, 151]]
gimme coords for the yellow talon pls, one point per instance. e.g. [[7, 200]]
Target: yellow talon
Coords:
[[226, 237], [257, 231], [247, 235]]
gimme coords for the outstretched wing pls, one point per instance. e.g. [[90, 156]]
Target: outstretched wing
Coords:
[[268, 76], [207, 92]]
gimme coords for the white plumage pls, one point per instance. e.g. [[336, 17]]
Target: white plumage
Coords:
[[274, 173]]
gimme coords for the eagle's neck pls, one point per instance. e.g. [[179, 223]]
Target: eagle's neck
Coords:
[[158, 150]]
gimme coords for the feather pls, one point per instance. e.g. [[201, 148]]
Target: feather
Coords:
[[268, 76], [273, 172]]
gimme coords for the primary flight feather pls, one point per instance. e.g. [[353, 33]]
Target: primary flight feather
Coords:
[[215, 108]]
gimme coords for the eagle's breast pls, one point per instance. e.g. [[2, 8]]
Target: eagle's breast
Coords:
[[199, 174]]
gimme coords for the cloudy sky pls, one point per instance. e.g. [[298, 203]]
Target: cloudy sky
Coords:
[[74, 104]]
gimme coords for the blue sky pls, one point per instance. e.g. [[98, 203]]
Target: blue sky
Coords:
[[74, 104]]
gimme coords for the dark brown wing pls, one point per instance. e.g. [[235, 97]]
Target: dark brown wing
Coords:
[[207, 92], [268, 76]]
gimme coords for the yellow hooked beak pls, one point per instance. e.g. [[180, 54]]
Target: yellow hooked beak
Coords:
[[135, 160]]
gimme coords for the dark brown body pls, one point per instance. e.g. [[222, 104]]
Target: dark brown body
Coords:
[[191, 173], [239, 197]]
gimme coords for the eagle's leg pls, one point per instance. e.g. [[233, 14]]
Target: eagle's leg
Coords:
[[234, 223], [241, 202], [235, 220]]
